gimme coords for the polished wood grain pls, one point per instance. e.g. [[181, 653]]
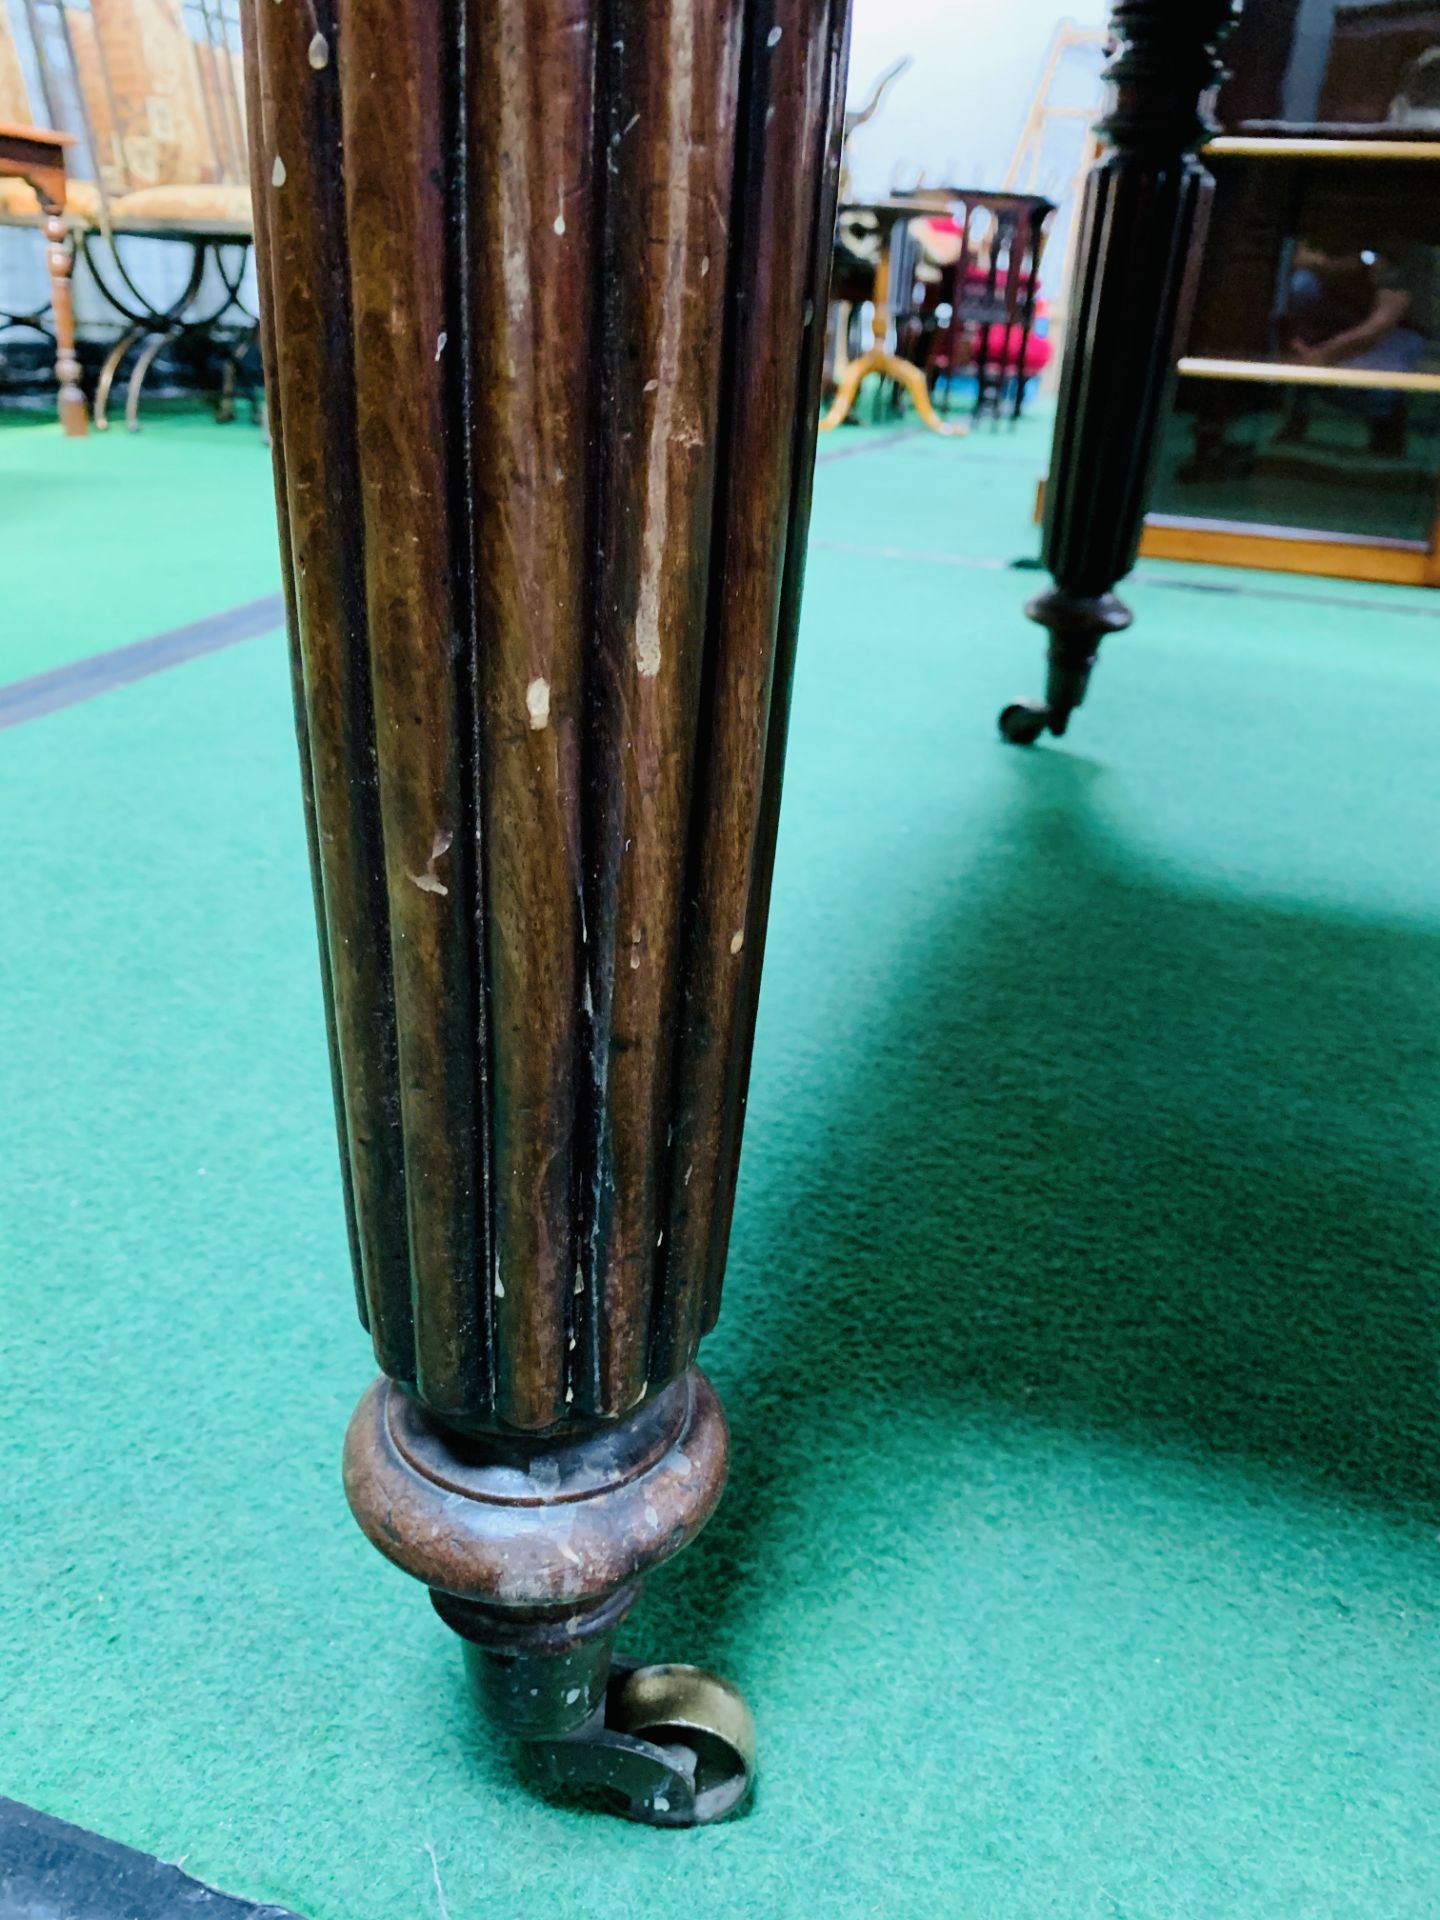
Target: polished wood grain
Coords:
[[544, 284]]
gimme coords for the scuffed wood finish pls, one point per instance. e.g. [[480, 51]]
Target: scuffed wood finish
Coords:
[[544, 285], [782, 264], [1141, 227]]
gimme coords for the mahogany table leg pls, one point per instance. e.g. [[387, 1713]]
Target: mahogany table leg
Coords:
[[544, 293], [1141, 227]]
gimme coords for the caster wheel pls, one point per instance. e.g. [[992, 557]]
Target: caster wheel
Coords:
[[668, 1746], [1023, 723]]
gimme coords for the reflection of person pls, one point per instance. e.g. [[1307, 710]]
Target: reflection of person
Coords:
[[1349, 310], [1352, 310], [1418, 102]]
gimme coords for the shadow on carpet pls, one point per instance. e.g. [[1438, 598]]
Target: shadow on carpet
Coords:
[[1130, 1162]]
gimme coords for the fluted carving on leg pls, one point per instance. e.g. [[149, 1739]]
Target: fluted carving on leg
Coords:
[[544, 359]]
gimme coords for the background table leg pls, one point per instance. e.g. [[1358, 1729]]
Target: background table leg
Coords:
[[1140, 232]]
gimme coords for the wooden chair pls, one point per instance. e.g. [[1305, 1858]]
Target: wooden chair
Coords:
[[36, 191], [992, 282], [159, 87], [156, 91]]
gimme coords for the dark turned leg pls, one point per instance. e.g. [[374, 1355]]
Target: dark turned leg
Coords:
[[1141, 227], [544, 294]]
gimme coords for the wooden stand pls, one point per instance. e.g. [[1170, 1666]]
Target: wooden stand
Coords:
[[544, 302], [877, 358], [1140, 231]]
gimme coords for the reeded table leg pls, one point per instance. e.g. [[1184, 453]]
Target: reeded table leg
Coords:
[[1141, 227], [545, 285]]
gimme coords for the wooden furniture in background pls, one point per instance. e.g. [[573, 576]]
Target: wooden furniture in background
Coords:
[[37, 157], [557, 285], [155, 94], [992, 288], [1240, 482], [162, 96], [1057, 145], [878, 357], [1145, 204]]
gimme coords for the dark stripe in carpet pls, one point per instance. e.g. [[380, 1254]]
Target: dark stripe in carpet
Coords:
[[1356, 603], [867, 440], [50, 1870], [102, 672]]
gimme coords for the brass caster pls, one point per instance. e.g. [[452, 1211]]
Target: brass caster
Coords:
[[668, 1746]]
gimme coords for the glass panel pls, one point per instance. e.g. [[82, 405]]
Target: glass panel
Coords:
[[1324, 263], [1323, 459], [1335, 63]]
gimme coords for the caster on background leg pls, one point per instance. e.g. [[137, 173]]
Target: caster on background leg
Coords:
[[1023, 722]]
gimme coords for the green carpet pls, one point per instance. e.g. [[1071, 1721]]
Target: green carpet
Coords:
[[1081, 1343], [121, 535]]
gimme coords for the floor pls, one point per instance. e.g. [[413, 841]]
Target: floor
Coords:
[[1081, 1342]]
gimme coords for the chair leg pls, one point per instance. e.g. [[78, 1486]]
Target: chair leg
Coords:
[[913, 381], [143, 363], [849, 387], [544, 290], [112, 364], [225, 405], [1141, 226], [60, 260]]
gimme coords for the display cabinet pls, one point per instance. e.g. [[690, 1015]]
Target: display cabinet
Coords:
[[1304, 430]]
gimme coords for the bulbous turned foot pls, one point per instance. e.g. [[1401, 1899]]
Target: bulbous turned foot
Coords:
[[534, 1552], [1076, 623]]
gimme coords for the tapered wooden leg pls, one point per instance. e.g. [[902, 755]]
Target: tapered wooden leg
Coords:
[[879, 359], [1141, 227], [855, 371], [59, 259], [913, 381], [544, 293]]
